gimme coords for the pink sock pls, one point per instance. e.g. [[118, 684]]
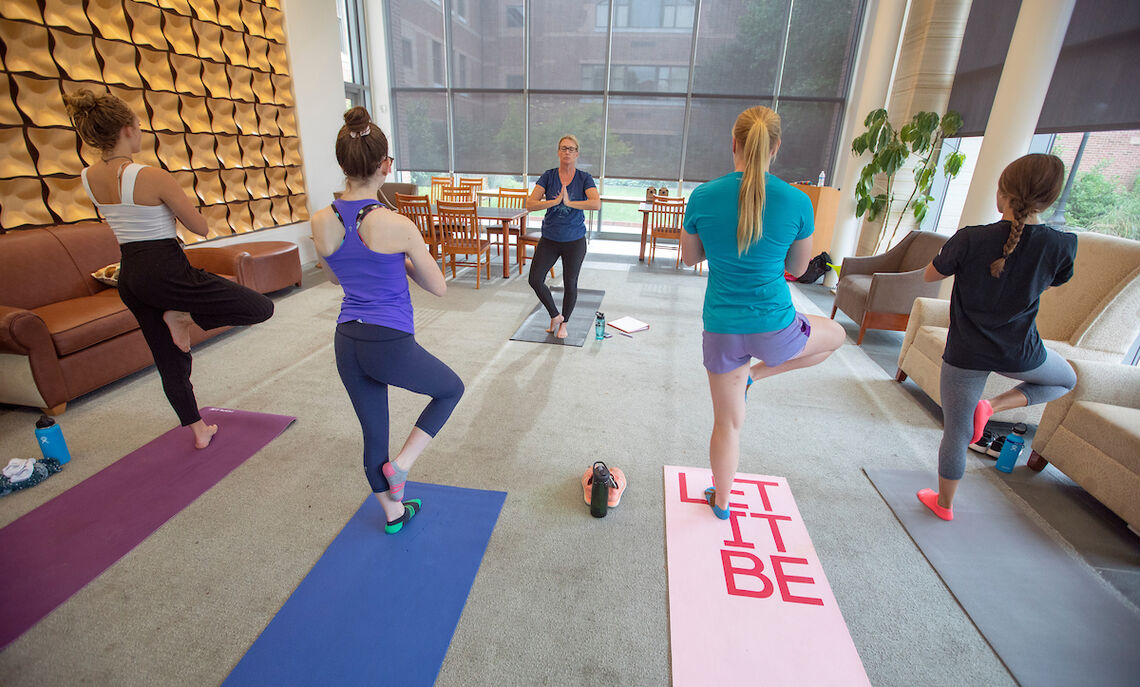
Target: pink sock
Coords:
[[929, 498], [982, 414]]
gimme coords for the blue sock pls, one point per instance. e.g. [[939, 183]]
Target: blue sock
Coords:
[[747, 387], [710, 496]]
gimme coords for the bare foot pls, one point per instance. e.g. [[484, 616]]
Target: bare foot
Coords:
[[554, 323], [203, 433], [179, 324], [562, 333]]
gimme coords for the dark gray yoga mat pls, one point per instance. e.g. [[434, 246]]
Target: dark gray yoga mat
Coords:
[[580, 326], [1050, 619]]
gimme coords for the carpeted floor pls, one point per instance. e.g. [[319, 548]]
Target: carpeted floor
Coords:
[[561, 597]]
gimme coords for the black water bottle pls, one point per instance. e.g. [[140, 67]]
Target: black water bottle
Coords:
[[600, 490]]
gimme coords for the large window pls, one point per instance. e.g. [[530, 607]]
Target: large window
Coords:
[[350, 15], [649, 87]]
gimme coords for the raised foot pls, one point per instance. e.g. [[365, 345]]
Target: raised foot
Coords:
[[555, 323], [203, 434], [179, 324]]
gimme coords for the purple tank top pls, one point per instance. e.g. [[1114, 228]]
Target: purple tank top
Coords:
[[375, 284]]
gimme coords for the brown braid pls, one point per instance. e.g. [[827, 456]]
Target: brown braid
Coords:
[[1029, 184], [1015, 227]]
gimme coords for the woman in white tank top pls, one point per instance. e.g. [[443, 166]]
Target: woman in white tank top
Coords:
[[156, 282]]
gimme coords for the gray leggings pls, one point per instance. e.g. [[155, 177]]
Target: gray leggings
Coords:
[[962, 389]]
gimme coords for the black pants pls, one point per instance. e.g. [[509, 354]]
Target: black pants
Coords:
[[370, 358], [155, 277], [546, 253]]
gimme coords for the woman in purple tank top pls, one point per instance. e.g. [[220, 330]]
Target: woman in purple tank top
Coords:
[[371, 252]]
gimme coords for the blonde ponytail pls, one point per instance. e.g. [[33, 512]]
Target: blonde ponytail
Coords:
[[756, 132]]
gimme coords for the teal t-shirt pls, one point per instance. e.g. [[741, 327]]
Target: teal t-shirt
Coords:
[[747, 294]]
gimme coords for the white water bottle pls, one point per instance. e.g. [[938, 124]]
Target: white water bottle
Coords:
[[822, 178]]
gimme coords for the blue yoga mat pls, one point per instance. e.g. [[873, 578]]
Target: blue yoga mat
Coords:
[[331, 630]]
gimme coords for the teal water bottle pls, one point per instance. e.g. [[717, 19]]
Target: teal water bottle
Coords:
[[1011, 449], [50, 439], [600, 326]]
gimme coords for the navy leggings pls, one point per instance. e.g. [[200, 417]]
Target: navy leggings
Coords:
[[546, 253], [369, 357], [961, 390]]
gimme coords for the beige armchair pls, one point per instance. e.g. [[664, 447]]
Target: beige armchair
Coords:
[[1093, 435], [877, 291], [1095, 316]]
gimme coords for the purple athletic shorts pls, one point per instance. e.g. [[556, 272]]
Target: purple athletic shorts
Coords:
[[726, 352]]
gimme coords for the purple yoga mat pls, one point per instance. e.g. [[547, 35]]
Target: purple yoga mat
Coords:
[[72, 539]]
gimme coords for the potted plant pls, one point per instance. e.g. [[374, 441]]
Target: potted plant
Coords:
[[893, 149]]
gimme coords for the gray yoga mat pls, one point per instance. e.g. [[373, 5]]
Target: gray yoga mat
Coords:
[[580, 326], [1049, 618]]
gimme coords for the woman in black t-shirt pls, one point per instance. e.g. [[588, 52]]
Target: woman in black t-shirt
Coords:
[[1000, 272]]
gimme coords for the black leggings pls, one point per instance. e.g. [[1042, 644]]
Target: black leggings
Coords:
[[155, 277], [546, 253], [369, 357]]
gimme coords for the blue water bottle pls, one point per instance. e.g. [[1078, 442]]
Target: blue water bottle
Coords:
[[1011, 449], [600, 326], [50, 439]]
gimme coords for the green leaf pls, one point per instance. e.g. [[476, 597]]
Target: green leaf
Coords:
[[862, 206], [953, 164], [920, 212], [951, 123]]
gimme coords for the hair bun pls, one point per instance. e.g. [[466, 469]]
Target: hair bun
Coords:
[[357, 119], [81, 102]]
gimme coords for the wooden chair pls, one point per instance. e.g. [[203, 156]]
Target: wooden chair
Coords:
[[474, 183], [418, 209], [437, 186], [665, 220], [455, 194], [516, 198], [461, 235]]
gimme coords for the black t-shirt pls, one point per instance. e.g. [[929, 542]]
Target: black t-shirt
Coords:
[[993, 319]]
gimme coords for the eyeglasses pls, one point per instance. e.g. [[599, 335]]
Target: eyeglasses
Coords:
[[389, 158], [567, 149]]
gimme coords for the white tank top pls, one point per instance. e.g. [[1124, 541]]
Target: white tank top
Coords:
[[132, 222]]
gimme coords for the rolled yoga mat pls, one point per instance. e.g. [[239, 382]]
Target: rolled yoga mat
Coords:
[[748, 601], [1049, 617], [581, 323], [379, 609], [55, 550]]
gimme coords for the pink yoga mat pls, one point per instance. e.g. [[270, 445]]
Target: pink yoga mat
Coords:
[[748, 601], [56, 549]]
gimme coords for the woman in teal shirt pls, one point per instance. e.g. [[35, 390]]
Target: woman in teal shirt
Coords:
[[751, 227]]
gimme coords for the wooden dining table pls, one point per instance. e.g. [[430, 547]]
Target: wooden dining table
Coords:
[[505, 216]]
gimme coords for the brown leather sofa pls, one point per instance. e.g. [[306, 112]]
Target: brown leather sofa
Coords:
[[62, 332]]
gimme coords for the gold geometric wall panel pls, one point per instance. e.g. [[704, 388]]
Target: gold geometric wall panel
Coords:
[[26, 48], [23, 202], [27, 10], [67, 14], [66, 198], [57, 150], [16, 161], [208, 79], [9, 115], [75, 55]]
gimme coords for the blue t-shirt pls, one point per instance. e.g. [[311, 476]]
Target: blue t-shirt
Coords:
[[747, 294], [563, 223]]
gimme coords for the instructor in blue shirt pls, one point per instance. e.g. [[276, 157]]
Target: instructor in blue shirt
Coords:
[[565, 192]]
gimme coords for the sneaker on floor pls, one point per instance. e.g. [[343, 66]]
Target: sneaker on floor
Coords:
[[982, 445], [994, 449]]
